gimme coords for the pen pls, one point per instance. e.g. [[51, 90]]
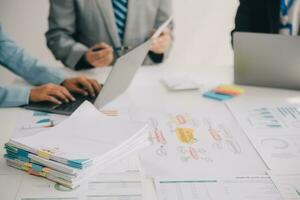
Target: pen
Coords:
[[36, 126], [114, 48]]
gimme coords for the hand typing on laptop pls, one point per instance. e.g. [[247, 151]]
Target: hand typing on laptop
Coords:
[[59, 94]]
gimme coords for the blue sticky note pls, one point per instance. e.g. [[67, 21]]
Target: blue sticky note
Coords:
[[43, 121], [79, 163], [10, 156], [37, 168], [24, 159], [23, 153], [217, 96]]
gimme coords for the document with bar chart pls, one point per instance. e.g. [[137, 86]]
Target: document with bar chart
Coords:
[[273, 130], [216, 188]]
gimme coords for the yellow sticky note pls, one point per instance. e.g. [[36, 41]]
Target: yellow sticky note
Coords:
[[226, 91], [186, 135], [28, 165], [44, 154], [25, 168]]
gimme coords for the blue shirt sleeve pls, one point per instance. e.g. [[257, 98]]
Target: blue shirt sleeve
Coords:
[[11, 96], [16, 60]]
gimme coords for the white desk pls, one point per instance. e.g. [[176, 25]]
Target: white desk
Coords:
[[146, 92]]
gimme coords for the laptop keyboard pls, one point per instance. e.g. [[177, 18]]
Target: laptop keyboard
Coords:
[[72, 106]]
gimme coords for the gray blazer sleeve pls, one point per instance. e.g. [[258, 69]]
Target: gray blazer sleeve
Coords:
[[62, 28], [164, 12]]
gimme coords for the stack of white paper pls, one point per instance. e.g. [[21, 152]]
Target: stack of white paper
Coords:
[[77, 148]]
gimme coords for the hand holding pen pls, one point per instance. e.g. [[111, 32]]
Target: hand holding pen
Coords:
[[100, 55], [162, 43]]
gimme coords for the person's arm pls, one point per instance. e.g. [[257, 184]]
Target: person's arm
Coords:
[[62, 28], [53, 85], [16, 60], [164, 12], [11, 96]]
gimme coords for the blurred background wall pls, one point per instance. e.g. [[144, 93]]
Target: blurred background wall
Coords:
[[202, 30]]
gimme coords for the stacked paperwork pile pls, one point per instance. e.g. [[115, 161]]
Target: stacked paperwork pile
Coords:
[[77, 148]]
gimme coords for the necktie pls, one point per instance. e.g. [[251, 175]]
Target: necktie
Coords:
[[120, 11]]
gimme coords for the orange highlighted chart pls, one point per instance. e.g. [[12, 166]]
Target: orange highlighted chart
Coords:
[[185, 141]]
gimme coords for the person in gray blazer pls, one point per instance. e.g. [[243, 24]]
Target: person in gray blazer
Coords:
[[94, 33]]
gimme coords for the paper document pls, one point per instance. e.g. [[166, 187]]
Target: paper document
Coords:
[[162, 27], [206, 139], [288, 184], [216, 188], [31, 122], [273, 130], [266, 117], [102, 186]]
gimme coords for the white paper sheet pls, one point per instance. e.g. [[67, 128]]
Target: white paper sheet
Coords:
[[162, 27], [275, 118], [216, 188], [193, 141], [103, 186], [273, 130], [31, 122], [288, 184]]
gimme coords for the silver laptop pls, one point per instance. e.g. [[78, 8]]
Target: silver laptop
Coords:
[[118, 81], [267, 60]]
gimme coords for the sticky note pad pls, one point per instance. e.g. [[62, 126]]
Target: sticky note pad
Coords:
[[37, 168], [227, 92], [44, 154], [216, 96], [231, 88]]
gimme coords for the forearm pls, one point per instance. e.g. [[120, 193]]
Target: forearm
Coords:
[[164, 13], [11, 96], [15, 59], [32, 70]]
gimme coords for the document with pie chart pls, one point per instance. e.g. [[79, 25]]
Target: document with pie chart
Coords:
[[274, 130]]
